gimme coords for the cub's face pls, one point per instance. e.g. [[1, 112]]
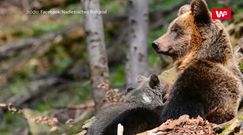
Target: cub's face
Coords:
[[183, 34], [149, 92]]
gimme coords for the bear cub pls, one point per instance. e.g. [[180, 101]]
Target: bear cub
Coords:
[[140, 110]]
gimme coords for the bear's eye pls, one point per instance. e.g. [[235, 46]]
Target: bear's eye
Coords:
[[175, 29]]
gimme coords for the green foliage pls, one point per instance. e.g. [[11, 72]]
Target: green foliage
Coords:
[[153, 35], [113, 7], [45, 27], [83, 92], [214, 4], [118, 76], [11, 120], [156, 5], [60, 58], [241, 67], [17, 83], [43, 107], [153, 58]]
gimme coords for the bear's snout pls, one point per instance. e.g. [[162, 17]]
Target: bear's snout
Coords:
[[161, 48], [155, 45]]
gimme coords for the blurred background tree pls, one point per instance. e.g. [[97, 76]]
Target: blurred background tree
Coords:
[[137, 64], [95, 41]]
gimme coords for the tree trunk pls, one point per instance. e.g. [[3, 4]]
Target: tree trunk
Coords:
[[93, 25], [137, 41]]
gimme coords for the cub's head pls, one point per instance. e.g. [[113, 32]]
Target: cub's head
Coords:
[[150, 92], [193, 31]]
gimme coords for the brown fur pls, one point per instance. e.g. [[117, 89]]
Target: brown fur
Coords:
[[208, 82]]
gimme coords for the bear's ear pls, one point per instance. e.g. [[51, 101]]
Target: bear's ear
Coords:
[[200, 11], [154, 81], [184, 9]]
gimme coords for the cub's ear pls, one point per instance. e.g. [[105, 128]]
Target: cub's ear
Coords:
[[154, 81], [184, 9], [200, 11]]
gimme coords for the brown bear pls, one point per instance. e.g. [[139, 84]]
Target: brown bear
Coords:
[[208, 81], [139, 111]]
